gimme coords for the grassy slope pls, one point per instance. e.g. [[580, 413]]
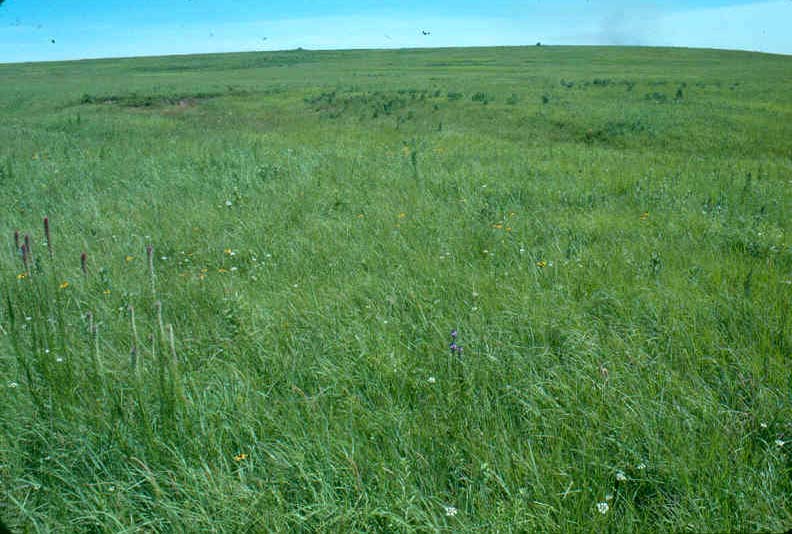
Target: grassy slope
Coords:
[[608, 229]]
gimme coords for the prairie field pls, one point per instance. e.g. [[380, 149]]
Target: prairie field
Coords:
[[492, 290]]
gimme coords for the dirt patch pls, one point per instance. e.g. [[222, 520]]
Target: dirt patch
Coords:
[[135, 100]]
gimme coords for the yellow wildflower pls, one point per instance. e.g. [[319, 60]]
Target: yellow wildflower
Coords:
[[129, 258], [221, 270], [227, 251], [106, 291], [240, 457], [541, 264], [644, 215], [64, 285], [402, 215], [497, 226], [21, 276]]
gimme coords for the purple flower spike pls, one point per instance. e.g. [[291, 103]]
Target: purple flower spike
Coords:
[[455, 349]]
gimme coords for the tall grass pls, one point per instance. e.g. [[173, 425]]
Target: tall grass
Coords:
[[237, 316]]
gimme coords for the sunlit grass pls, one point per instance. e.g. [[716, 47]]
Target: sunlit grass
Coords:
[[616, 264]]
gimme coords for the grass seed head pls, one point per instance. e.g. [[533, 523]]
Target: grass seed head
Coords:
[[47, 235]]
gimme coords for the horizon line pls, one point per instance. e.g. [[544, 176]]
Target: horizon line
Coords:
[[385, 49]]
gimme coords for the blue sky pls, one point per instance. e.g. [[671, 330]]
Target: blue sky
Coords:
[[111, 28]]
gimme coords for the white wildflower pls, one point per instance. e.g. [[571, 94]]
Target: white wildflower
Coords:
[[13, 385], [641, 466], [780, 443], [603, 507], [450, 511], [620, 476], [228, 203], [431, 380]]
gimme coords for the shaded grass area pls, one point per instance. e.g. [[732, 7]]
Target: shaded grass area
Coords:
[[607, 229]]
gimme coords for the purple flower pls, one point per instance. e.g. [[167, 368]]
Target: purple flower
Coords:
[[453, 346]]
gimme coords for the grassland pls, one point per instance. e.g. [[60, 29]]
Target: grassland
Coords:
[[608, 230]]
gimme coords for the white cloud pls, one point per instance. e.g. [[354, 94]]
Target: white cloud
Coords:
[[759, 26]]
